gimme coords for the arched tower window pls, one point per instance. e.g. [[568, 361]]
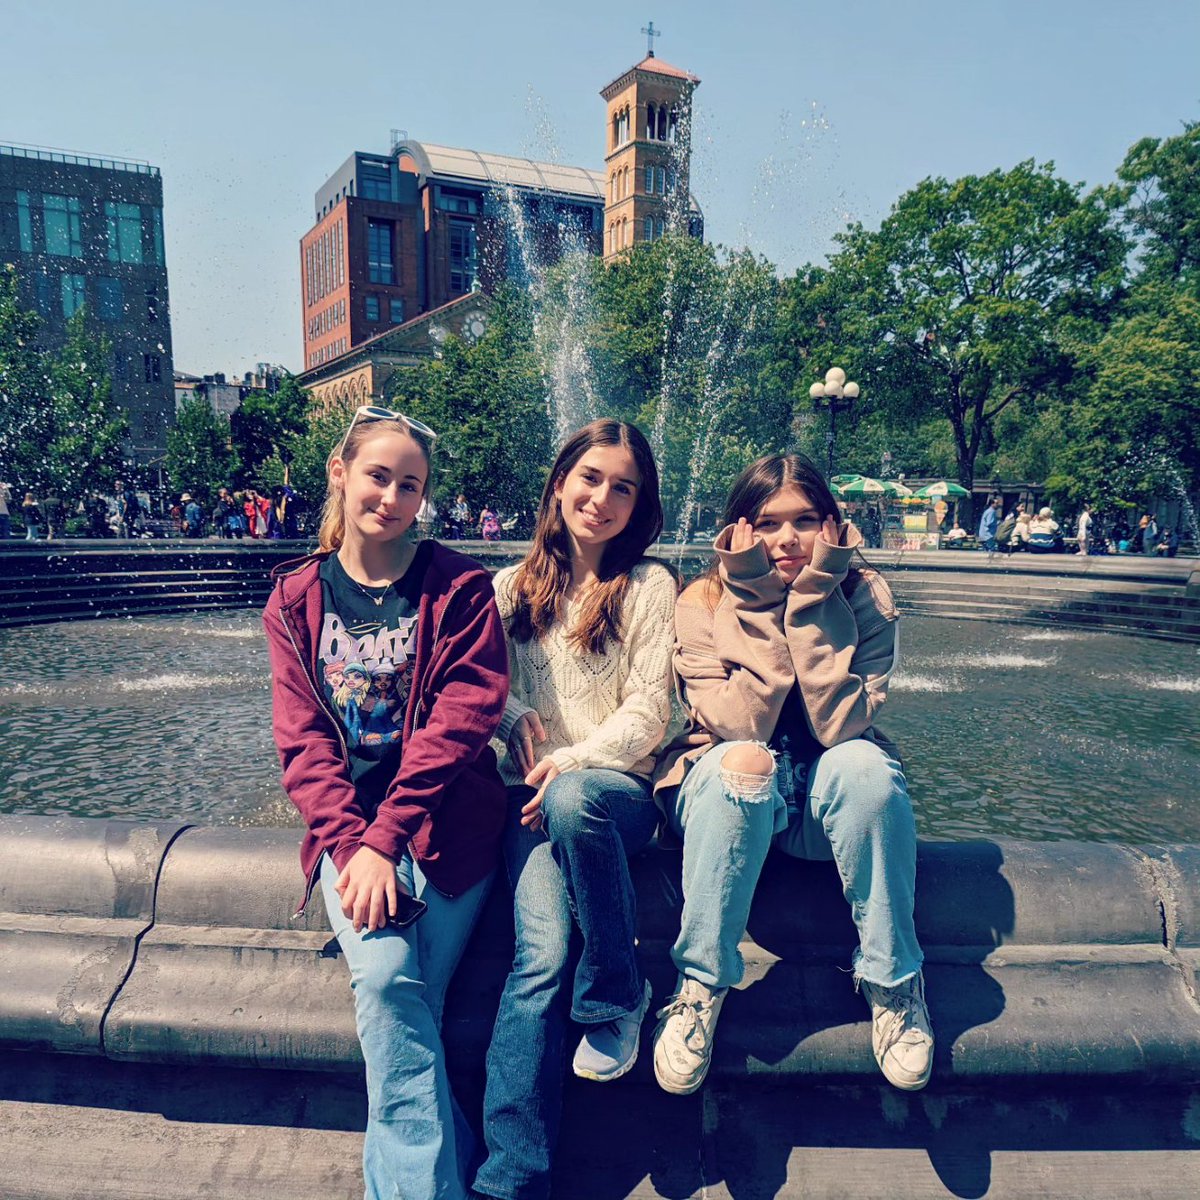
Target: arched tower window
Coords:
[[616, 130], [651, 121], [648, 229], [673, 127]]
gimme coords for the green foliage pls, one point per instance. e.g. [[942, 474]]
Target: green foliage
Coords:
[[60, 430], [487, 402], [1163, 205], [309, 451], [199, 458], [956, 305], [1136, 431], [266, 425]]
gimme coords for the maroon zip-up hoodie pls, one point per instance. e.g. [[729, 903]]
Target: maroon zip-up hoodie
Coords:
[[446, 804]]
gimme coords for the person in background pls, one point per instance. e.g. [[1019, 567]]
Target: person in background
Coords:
[[193, 516], [988, 523], [957, 532], [460, 517], [1044, 534], [1083, 530], [5, 513], [1150, 538], [32, 516], [489, 524], [1020, 533], [52, 513], [129, 507]]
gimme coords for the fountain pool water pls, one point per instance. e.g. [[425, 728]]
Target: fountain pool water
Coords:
[[1033, 733]]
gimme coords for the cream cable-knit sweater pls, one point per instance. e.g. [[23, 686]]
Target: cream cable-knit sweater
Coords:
[[598, 710]]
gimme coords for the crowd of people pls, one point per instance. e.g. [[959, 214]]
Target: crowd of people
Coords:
[[1040, 533], [780, 653]]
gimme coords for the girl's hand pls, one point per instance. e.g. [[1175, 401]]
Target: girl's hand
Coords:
[[540, 777], [368, 889], [526, 733], [829, 531], [742, 537]]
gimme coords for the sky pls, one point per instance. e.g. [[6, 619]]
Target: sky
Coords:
[[808, 115]]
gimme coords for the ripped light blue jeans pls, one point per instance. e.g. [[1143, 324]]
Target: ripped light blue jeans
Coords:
[[851, 806]]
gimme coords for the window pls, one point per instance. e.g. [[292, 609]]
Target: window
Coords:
[[72, 294], [379, 252], [462, 256], [60, 215], [660, 227], [152, 368], [375, 185], [651, 121], [23, 222], [648, 229], [152, 304], [45, 294], [670, 181], [156, 226], [662, 180], [124, 232], [396, 311], [457, 202], [372, 308], [649, 180], [110, 298]]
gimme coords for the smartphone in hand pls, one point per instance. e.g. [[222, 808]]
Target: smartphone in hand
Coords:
[[408, 909]]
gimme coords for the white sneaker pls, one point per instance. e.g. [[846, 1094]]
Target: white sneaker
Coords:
[[901, 1035], [684, 1038], [607, 1051]]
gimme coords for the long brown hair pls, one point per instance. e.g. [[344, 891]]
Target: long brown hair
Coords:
[[333, 512], [542, 579], [759, 482]]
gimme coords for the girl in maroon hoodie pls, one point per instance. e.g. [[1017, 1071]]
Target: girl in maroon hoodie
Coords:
[[389, 678]]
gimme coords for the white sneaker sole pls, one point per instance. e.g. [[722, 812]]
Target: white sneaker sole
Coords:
[[680, 1089], [625, 1067]]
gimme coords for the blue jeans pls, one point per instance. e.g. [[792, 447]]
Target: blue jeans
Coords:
[[850, 805], [575, 917], [417, 1143]]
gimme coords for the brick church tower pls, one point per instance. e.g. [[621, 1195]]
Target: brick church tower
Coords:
[[648, 152]]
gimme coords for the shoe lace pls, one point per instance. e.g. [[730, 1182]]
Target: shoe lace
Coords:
[[903, 1007], [690, 1008]]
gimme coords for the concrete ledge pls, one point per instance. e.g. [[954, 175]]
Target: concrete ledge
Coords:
[[1053, 960], [75, 897]]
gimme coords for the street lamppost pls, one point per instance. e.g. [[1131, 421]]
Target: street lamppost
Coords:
[[836, 395]]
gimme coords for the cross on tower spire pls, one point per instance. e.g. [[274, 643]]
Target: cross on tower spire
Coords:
[[651, 33]]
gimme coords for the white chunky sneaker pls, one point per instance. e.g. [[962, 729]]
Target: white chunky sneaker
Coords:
[[683, 1040], [607, 1051], [900, 1032]]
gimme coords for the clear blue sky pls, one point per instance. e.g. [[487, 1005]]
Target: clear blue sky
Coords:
[[808, 114]]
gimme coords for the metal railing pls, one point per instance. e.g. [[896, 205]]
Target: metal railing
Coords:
[[78, 160]]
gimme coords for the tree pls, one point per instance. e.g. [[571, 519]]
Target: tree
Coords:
[[86, 432], [267, 424], [962, 299], [486, 399], [60, 429], [199, 458], [1163, 205], [1136, 431]]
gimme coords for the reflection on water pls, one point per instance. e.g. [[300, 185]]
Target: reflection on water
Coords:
[[1029, 733]]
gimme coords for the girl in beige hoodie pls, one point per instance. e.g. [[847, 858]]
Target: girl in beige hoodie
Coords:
[[783, 654]]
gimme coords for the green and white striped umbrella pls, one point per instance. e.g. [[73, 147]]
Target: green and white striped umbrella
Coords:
[[941, 488]]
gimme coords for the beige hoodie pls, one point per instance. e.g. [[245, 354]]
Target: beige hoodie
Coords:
[[736, 662]]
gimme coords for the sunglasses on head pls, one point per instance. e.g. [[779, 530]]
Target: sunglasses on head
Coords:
[[375, 412]]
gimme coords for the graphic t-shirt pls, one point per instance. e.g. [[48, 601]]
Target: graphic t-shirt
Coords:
[[368, 640]]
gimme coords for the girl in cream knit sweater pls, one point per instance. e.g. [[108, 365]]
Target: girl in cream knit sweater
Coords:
[[589, 626]]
